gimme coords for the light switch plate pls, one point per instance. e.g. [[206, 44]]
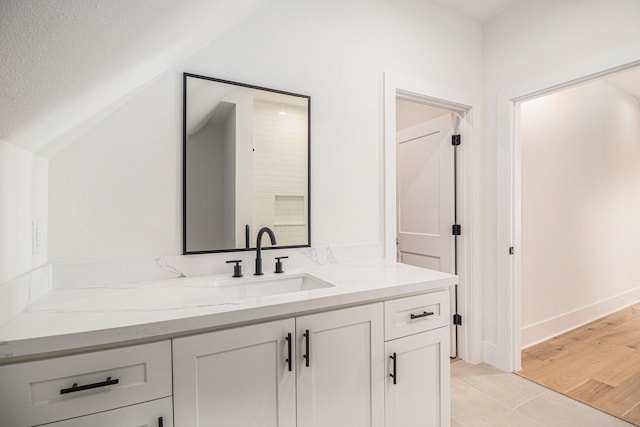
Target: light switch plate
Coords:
[[36, 241]]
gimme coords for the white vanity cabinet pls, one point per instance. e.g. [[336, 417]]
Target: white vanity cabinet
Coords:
[[75, 387], [417, 358], [328, 373], [316, 366]]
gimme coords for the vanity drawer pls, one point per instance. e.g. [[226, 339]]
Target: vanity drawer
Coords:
[[43, 391], [429, 311], [157, 413]]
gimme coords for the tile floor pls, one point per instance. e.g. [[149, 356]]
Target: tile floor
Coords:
[[482, 395]]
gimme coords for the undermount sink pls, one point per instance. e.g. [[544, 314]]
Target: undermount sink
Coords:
[[254, 287], [184, 293]]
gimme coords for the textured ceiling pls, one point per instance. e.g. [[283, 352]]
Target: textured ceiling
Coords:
[[64, 61]]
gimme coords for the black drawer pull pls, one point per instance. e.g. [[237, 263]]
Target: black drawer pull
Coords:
[[75, 387], [160, 422], [289, 360], [424, 314], [307, 342], [395, 368]]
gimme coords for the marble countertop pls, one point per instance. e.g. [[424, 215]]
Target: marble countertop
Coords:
[[79, 318]]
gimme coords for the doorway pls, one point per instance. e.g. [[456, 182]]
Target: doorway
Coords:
[[448, 99], [579, 183], [426, 190], [580, 200]]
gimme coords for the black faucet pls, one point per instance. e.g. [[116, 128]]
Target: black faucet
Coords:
[[259, 248]]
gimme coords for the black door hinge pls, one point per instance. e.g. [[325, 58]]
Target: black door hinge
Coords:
[[457, 319], [455, 139], [456, 229], [511, 250]]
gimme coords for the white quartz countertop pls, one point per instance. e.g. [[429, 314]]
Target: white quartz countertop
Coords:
[[68, 320]]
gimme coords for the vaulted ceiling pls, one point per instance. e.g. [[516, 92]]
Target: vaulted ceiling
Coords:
[[63, 62]]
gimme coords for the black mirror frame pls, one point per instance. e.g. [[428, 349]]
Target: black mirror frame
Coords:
[[184, 164]]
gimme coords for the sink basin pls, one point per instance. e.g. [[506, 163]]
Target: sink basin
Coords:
[[254, 287]]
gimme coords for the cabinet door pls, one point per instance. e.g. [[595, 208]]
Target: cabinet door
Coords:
[[237, 377], [343, 384], [420, 395], [156, 413]]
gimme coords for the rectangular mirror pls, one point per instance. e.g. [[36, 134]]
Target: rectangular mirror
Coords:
[[246, 165]]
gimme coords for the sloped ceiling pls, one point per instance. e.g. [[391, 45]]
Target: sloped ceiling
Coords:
[[65, 62]]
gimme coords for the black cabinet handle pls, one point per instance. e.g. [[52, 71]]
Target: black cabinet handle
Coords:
[[288, 338], [395, 368], [424, 314], [307, 341], [160, 422], [75, 387]]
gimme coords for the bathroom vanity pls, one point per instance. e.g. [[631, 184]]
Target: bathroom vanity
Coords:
[[357, 344]]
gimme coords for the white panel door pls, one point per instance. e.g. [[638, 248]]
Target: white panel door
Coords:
[[426, 198], [238, 377], [419, 396], [425, 181], [343, 386]]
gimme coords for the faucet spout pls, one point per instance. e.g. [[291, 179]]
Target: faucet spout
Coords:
[[272, 237]]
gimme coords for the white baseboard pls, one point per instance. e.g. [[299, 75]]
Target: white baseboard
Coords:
[[552, 327], [489, 353]]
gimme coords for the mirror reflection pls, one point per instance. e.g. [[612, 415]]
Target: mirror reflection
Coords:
[[246, 165]]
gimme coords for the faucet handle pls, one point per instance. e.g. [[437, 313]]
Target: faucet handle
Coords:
[[237, 269], [279, 264]]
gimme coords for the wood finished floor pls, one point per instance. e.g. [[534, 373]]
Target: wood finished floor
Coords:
[[597, 364]]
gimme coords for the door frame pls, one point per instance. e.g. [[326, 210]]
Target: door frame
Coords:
[[468, 271], [509, 217]]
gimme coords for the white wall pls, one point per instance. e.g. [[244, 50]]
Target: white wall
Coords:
[[115, 192], [23, 200], [580, 206], [531, 45]]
